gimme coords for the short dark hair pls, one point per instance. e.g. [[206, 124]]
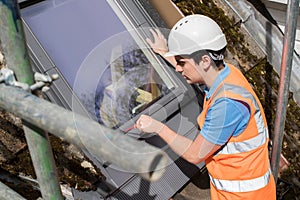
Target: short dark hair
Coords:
[[216, 56]]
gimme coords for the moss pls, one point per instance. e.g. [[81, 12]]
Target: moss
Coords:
[[262, 79]]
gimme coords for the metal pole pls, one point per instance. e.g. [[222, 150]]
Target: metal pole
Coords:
[[105, 144], [283, 90], [8, 193], [13, 43], [14, 48]]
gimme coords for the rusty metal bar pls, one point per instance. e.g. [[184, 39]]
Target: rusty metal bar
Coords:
[[283, 90], [14, 48]]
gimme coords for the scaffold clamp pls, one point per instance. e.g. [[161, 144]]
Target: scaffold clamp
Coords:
[[42, 81]]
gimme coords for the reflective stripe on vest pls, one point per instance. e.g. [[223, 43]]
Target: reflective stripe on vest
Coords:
[[242, 185], [255, 142], [246, 145], [246, 94]]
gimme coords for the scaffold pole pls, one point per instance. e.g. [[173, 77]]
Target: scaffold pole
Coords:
[[17, 59], [284, 82]]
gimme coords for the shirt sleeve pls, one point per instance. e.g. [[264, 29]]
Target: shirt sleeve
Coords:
[[225, 118]]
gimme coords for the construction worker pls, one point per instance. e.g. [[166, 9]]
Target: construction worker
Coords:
[[233, 138]]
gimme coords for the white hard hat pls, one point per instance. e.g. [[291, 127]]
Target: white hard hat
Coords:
[[193, 33]]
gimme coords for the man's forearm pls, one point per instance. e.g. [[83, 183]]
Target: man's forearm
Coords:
[[194, 151]]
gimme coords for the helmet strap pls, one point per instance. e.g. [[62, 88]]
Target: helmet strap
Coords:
[[216, 56]]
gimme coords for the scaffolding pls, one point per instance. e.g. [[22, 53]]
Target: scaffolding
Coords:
[[41, 117]]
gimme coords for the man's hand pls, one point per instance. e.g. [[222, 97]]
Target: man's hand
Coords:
[[147, 124], [159, 45]]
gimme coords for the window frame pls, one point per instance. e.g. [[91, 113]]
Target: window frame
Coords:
[[133, 16]]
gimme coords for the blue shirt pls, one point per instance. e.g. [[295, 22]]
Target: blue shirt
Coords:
[[226, 117]]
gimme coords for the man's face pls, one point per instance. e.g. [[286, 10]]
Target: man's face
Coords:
[[191, 71]]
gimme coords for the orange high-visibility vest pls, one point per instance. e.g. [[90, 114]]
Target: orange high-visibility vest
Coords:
[[241, 169]]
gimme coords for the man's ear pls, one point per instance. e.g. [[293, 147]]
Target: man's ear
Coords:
[[206, 60]]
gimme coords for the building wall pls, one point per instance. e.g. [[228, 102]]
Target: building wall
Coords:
[[278, 8]]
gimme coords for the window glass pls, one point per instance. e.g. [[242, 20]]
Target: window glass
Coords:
[[128, 85], [113, 76]]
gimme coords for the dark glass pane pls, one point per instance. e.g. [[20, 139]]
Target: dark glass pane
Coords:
[[98, 57], [128, 85]]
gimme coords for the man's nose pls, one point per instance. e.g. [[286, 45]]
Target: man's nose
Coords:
[[178, 68]]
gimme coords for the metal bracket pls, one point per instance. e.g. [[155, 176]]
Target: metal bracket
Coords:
[[42, 81]]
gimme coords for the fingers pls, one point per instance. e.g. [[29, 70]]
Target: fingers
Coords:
[[140, 123], [159, 43], [157, 35], [153, 32], [147, 124], [149, 42], [144, 124]]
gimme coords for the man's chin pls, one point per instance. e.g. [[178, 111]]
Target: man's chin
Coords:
[[189, 81]]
